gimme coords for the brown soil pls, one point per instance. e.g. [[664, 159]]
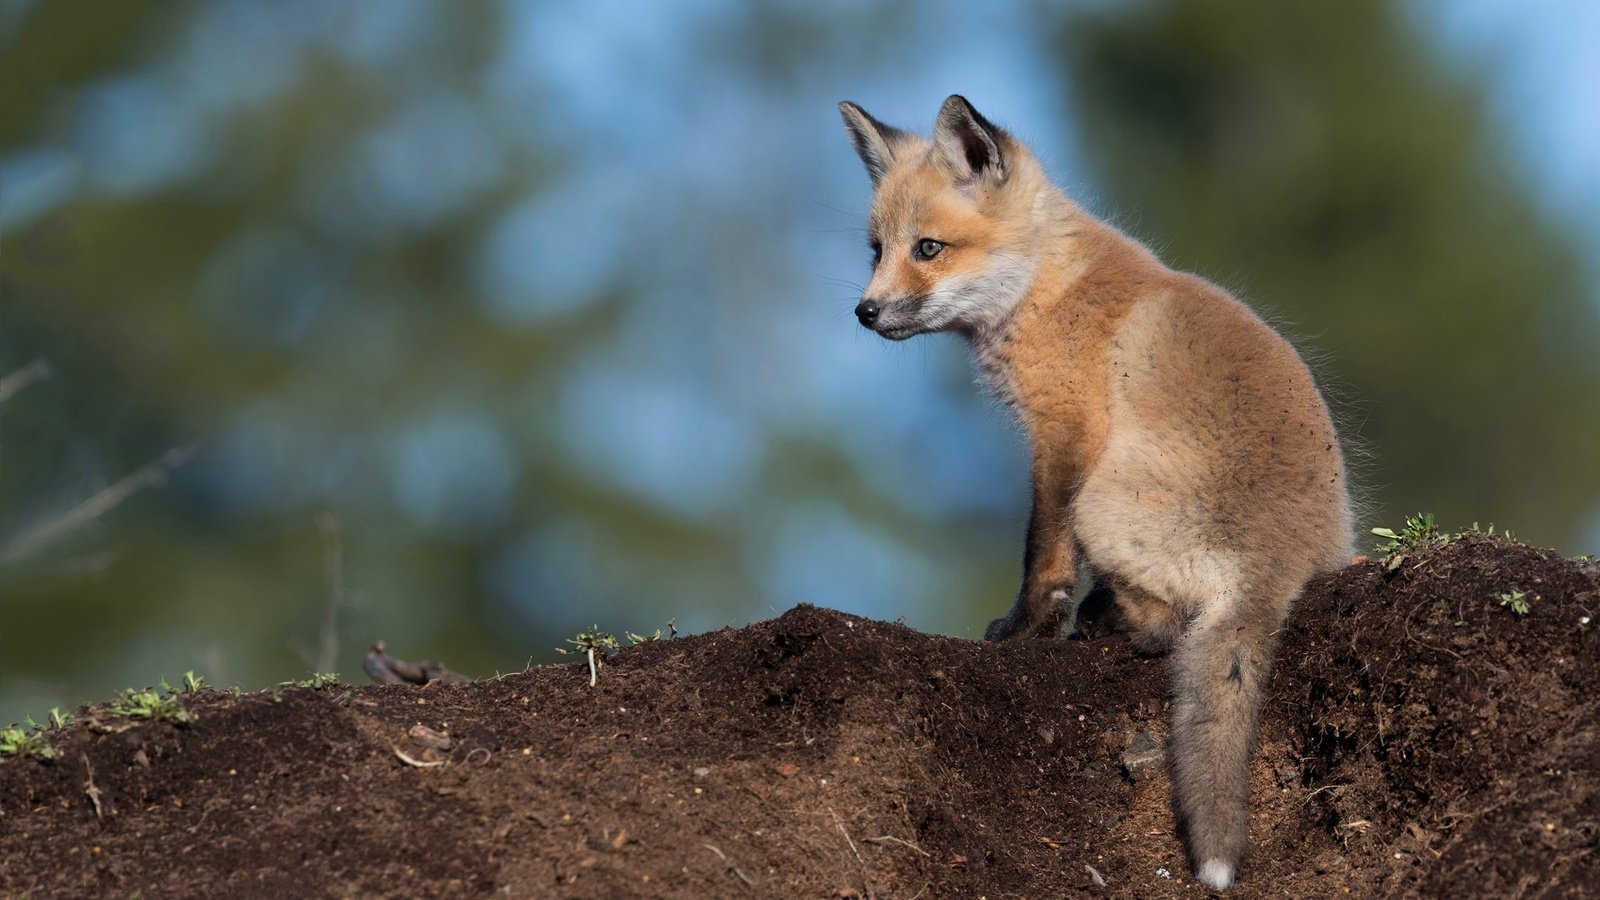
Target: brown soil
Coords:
[[1420, 739]]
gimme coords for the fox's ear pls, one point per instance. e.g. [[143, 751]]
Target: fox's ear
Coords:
[[968, 142], [873, 140]]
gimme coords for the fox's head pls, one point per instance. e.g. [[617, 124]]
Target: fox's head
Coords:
[[951, 223]]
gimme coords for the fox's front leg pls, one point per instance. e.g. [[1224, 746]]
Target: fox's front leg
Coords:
[[1049, 563]]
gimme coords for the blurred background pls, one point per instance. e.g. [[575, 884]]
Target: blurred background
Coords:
[[468, 325]]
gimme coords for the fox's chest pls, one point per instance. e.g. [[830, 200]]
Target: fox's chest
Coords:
[[1056, 388], [994, 370]]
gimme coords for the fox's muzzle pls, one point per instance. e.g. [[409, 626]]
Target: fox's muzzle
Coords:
[[894, 318]]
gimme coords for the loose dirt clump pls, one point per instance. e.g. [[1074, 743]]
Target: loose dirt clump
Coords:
[[1421, 738]]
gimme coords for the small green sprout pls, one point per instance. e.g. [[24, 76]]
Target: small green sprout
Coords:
[[16, 741], [1517, 601], [1419, 530], [637, 639], [316, 682], [59, 719], [1418, 533], [193, 683], [595, 644], [1491, 532], [147, 704]]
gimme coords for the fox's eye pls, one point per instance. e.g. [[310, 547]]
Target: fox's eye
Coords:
[[928, 248], [877, 252]]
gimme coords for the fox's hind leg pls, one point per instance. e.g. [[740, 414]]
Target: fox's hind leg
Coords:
[[1152, 624]]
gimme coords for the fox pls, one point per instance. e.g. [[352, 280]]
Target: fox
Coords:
[[1164, 417]]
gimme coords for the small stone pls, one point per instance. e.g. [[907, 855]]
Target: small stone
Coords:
[[702, 771], [427, 737], [1144, 757]]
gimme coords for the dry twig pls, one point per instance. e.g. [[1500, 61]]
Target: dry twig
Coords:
[[89, 789], [846, 834], [419, 763], [866, 877], [889, 837]]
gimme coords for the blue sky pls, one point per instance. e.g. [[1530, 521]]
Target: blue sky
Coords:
[[1543, 77]]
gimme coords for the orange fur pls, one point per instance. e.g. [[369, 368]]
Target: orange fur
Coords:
[[1181, 450]]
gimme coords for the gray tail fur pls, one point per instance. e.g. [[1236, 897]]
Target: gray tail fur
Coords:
[[1221, 665]]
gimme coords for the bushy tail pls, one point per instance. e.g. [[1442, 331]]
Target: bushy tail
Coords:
[[1222, 663]]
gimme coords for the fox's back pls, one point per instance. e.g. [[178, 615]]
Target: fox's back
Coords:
[[1215, 430]]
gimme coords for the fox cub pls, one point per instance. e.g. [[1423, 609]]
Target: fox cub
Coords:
[[1166, 423]]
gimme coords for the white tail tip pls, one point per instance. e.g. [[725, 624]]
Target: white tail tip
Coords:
[[1217, 874]]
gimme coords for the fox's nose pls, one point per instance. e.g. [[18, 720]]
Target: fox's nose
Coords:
[[867, 312]]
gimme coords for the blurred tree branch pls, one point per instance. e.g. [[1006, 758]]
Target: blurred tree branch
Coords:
[[93, 508], [333, 595], [13, 384]]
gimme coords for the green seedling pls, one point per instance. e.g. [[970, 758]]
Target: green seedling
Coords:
[[59, 719], [316, 682], [1517, 601], [147, 704], [1419, 533], [595, 644], [193, 683], [1491, 532], [637, 639], [16, 741]]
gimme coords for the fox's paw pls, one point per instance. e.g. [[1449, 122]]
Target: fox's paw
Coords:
[[1044, 616], [1005, 627]]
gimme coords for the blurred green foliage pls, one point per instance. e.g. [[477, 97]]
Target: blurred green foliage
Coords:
[[541, 311]]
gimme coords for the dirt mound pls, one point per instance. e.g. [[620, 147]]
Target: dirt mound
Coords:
[[1420, 738]]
